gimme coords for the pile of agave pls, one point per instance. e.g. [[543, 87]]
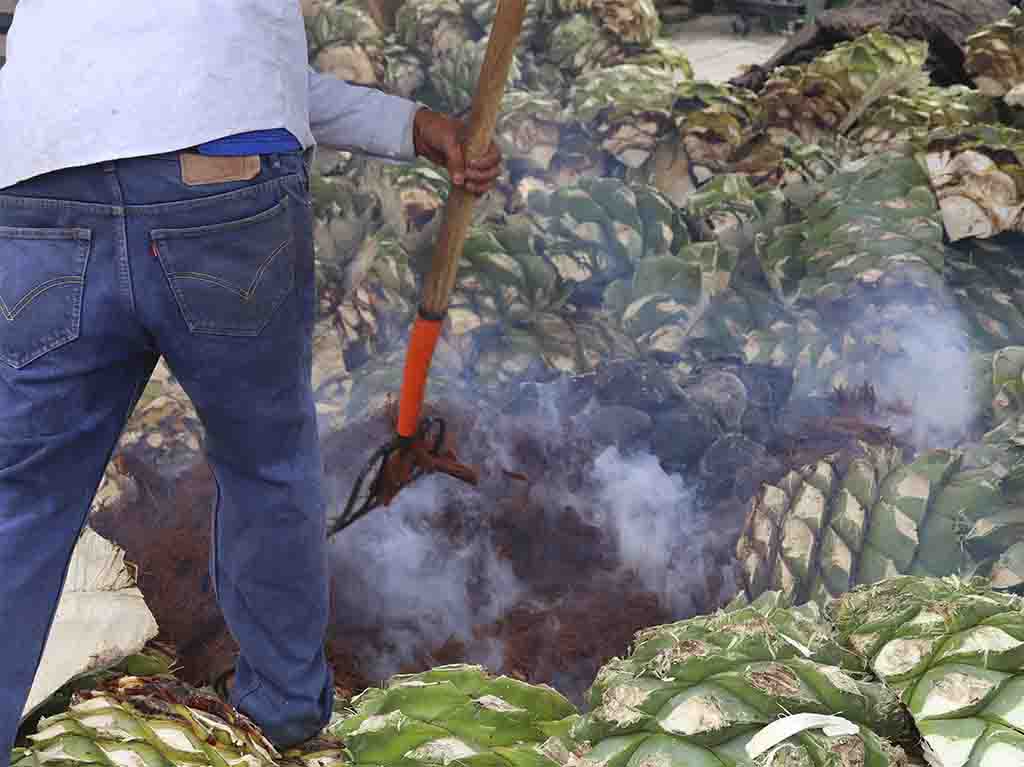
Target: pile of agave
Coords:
[[911, 671], [633, 193], [646, 216]]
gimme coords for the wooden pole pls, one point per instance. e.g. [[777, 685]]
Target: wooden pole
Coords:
[[458, 213]]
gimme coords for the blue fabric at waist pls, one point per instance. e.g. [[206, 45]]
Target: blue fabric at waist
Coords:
[[254, 142]]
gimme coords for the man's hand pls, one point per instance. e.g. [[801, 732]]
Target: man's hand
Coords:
[[439, 138]]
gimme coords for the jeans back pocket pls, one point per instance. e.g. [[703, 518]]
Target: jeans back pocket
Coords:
[[230, 278], [42, 280]]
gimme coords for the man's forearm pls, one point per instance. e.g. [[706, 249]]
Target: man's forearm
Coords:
[[360, 119]]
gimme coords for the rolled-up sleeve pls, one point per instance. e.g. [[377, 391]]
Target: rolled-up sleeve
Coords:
[[356, 118]]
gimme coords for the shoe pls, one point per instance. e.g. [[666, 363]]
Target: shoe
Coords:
[[321, 750], [223, 683]]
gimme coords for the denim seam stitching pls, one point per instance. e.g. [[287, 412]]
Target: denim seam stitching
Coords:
[[207, 328], [244, 293], [279, 209], [11, 314], [34, 233], [69, 334], [212, 329]]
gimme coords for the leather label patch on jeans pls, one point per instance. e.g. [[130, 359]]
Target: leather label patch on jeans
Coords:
[[199, 169]]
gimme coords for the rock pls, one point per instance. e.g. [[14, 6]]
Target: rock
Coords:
[[683, 434], [640, 384], [723, 393], [735, 466], [615, 424]]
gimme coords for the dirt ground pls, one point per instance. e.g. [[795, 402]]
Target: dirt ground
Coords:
[[716, 52]]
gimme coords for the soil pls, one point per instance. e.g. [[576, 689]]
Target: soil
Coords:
[[579, 607], [576, 607]]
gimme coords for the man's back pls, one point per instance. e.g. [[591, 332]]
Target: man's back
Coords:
[[91, 80]]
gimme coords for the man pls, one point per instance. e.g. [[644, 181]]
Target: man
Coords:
[[154, 200]]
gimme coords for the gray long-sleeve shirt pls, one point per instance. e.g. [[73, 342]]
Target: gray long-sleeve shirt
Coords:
[[93, 80]]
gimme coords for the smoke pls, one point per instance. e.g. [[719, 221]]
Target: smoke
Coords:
[[933, 375], [404, 579], [657, 528], [561, 569]]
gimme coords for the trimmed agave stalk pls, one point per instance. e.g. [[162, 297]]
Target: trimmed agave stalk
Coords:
[[404, 72], [989, 289], [823, 99], [978, 175], [454, 74], [502, 277], [903, 120], [579, 44], [730, 201], [954, 651], [596, 230], [483, 12], [542, 77], [545, 344], [715, 120], [669, 294], [664, 54], [529, 129], [628, 108], [875, 229], [152, 721], [995, 58], [731, 316], [697, 692], [1007, 377], [433, 28], [380, 302], [863, 516], [506, 315], [360, 64], [420, 189], [345, 41], [630, 21], [340, 21], [457, 713], [825, 356]]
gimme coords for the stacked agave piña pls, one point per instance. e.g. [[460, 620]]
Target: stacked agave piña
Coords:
[[137, 714], [864, 515], [901, 121], [345, 41], [978, 174], [826, 97], [988, 283], [859, 271], [953, 650], [699, 692], [456, 714], [628, 108], [756, 685], [995, 58]]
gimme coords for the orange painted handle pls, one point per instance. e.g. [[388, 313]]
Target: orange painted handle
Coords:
[[425, 333]]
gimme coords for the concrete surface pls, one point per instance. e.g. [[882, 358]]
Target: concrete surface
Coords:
[[716, 52]]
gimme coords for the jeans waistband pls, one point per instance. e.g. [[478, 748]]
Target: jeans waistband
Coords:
[[148, 182], [281, 161]]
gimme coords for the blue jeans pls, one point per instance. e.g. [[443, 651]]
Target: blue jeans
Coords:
[[102, 270]]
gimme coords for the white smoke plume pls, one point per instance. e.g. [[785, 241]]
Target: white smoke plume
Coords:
[[659, 530], [399, 574], [934, 376]]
